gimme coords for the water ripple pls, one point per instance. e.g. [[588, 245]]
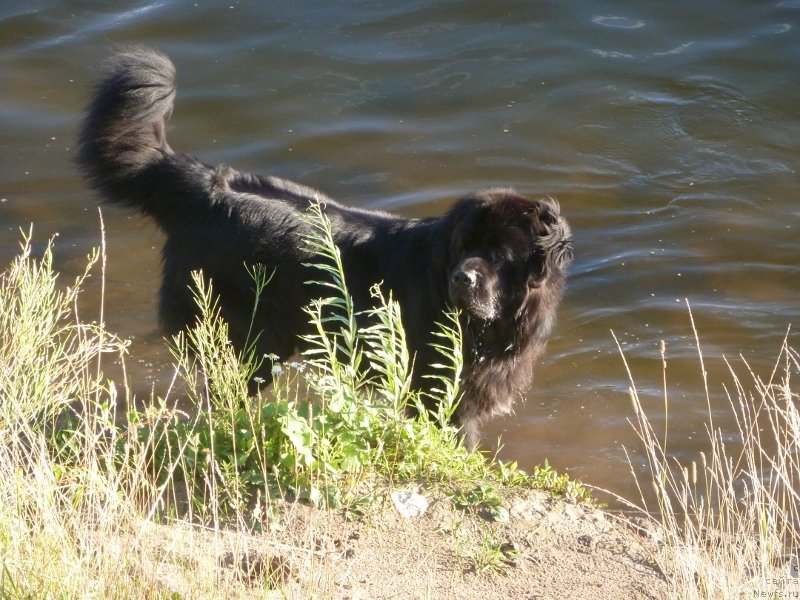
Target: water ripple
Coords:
[[618, 22], [104, 23]]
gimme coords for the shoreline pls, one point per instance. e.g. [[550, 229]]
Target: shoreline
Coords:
[[546, 547]]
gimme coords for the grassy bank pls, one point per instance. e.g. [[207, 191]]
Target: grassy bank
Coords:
[[212, 492], [87, 479]]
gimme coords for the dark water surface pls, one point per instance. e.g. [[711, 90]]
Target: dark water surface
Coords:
[[669, 131]]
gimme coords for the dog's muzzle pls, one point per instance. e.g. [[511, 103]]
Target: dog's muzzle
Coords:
[[469, 293]]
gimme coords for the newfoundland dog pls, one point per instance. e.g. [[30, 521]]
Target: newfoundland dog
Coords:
[[496, 255]]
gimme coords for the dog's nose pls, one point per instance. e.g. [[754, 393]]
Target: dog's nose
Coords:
[[464, 278]]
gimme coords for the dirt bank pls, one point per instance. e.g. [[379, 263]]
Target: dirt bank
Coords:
[[539, 547]]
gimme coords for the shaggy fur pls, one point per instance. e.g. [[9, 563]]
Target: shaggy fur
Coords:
[[496, 255]]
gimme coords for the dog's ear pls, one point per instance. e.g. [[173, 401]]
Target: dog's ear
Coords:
[[557, 245], [564, 254], [556, 241], [548, 210]]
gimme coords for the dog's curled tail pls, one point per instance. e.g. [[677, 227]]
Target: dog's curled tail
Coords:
[[123, 132]]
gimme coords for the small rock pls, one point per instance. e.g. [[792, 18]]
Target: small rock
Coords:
[[572, 511], [409, 504], [586, 544], [529, 509]]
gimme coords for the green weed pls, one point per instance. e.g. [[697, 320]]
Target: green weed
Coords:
[[349, 428]]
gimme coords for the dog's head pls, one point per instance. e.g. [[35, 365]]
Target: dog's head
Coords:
[[509, 255]]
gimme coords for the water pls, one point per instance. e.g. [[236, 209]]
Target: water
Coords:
[[670, 132]]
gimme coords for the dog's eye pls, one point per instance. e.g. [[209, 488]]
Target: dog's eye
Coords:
[[495, 258]]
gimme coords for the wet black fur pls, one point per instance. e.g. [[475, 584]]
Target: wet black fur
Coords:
[[497, 255]]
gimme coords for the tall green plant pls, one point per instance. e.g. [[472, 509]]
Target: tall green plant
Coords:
[[352, 424]]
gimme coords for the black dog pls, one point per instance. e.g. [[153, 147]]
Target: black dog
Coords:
[[496, 255]]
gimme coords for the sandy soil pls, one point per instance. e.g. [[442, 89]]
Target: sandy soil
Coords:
[[543, 548]]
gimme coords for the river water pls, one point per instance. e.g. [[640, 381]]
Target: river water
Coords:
[[669, 131]]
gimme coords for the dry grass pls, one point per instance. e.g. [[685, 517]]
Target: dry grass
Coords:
[[89, 505], [82, 510], [728, 520]]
